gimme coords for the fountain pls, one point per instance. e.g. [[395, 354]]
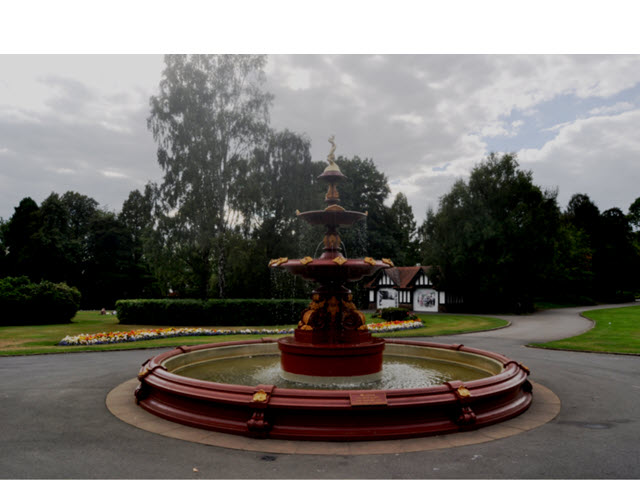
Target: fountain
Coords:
[[334, 366]]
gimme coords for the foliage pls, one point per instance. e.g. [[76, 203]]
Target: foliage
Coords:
[[209, 115], [68, 239], [213, 312], [404, 231], [393, 313], [634, 214], [598, 255], [365, 190], [493, 238], [25, 303]]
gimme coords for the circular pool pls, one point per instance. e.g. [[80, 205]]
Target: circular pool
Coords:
[[425, 389]]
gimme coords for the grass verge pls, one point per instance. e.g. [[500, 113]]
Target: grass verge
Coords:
[[441, 324], [38, 339], [616, 330]]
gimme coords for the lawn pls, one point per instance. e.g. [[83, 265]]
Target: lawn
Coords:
[[37, 339], [616, 330], [441, 324]]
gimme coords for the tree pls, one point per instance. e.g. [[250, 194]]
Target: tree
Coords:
[[137, 216], [365, 190], [54, 254], [493, 239], [583, 214], [616, 260], [21, 241], [403, 225], [109, 264], [634, 214], [210, 113], [280, 179], [81, 210]]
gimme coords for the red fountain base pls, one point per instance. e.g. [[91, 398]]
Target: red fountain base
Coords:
[[330, 363], [267, 411]]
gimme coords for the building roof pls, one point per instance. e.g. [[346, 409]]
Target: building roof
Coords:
[[402, 277]]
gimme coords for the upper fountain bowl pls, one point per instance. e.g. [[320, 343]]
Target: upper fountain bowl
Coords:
[[336, 270], [334, 215]]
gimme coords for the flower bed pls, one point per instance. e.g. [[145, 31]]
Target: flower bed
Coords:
[[155, 333]]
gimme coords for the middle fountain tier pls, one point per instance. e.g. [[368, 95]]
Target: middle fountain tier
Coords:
[[332, 344]]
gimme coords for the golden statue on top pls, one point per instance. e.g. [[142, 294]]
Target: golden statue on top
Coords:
[[331, 157]]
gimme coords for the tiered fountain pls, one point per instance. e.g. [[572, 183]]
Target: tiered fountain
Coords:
[[332, 343], [334, 366]]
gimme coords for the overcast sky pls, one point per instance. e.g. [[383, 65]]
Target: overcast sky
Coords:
[[78, 122]]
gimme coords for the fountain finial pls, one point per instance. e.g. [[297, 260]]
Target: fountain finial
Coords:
[[333, 166]]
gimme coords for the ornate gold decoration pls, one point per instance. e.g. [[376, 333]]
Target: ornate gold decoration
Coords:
[[525, 368], [331, 241], [340, 260], [307, 316], [276, 262], [369, 260], [143, 373], [332, 193], [333, 307], [333, 166], [331, 157], [334, 208], [366, 214], [463, 392], [387, 261], [297, 212], [306, 260], [352, 318], [260, 396]]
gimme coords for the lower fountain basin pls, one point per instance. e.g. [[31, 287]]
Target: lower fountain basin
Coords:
[[270, 411]]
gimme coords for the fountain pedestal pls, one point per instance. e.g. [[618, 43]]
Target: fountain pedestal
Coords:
[[331, 344]]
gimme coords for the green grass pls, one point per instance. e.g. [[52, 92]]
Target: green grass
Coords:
[[616, 330], [37, 339], [444, 325]]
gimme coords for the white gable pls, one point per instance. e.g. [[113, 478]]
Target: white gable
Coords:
[[385, 280]]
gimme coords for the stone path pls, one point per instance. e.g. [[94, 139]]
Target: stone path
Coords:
[[54, 422]]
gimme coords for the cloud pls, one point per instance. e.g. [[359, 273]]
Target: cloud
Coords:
[[612, 109], [78, 144], [598, 156], [415, 114], [425, 120]]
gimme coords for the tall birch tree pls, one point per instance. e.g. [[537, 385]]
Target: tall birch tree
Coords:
[[210, 113]]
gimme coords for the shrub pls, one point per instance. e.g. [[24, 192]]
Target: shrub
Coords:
[[216, 312], [25, 303], [395, 313]]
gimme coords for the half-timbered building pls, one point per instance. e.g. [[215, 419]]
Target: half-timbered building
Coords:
[[408, 287]]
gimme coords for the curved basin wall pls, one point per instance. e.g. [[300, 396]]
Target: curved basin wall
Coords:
[[266, 411]]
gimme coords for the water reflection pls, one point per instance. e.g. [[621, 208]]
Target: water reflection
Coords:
[[397, 373]]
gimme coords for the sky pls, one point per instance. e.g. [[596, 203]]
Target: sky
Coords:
[[78, 122]]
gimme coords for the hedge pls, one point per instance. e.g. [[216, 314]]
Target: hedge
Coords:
[[216, 312], [25, 303]]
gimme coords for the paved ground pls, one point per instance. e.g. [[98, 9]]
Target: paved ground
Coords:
[[54, 423]]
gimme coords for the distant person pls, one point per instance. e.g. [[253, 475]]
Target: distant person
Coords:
[[103, 311]]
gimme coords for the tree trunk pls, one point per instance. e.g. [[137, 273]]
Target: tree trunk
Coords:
[[222, 267]]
